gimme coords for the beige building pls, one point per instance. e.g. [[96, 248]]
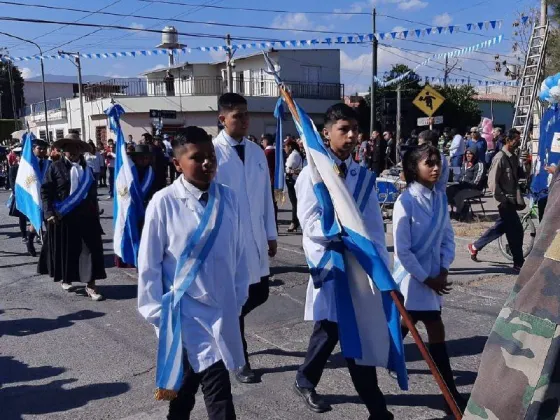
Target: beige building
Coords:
[[192, 90]]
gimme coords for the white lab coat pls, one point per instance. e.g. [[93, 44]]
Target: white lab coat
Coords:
[[412, 216], [294, 164], [211, 306], [320, 304], [252, 187]]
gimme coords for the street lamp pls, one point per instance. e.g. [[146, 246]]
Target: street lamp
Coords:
[[42, 79]]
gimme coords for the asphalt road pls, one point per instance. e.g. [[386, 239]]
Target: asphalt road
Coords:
[[63, 356]]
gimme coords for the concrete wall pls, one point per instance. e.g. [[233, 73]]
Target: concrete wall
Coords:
[[502, 111], [33, 91], [292, 62]]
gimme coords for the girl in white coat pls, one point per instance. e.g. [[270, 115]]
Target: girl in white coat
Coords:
[[424, 251], [192, 281]]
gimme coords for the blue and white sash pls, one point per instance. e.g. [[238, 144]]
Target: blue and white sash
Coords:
[[147, 182], [364, 186], [73, 200], [10, 200], [427, 241], [169, 369]]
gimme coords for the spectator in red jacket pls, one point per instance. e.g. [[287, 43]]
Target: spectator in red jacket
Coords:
[[267, 143]]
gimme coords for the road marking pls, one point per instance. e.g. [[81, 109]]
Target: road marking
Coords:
[[291, 250]]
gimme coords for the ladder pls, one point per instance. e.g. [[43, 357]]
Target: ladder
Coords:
[[530, 82]]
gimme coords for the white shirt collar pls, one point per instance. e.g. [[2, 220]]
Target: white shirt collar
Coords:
[[231, 141], [338, 161], [269, 148], [191, 189], [420, 189]]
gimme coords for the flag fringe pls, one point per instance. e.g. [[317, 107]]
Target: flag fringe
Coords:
[[279, 196], [165, 394]]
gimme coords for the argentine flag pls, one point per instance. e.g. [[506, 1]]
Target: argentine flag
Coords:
[[369, 334], [28, 184], [128, 205]]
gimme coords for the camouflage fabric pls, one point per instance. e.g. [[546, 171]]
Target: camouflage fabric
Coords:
[[519, 374]]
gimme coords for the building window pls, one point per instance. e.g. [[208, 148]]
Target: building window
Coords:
[[101, 134], [42, 135], [311, 74], [59, 134], [261, 82]]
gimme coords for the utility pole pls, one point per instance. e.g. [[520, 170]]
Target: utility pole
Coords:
[[229, 56], [544, 12], [13, 95], [78, 64], [446, 71], [373, 110], [398, 140]]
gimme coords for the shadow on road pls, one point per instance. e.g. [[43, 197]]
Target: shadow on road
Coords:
[[462, 377], [120, 292], [469, 346], [29, 326], [13, 254], [53, 397], [16, 371], [289, 269]]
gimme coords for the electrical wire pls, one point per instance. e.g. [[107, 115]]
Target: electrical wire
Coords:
[[249, 9], [198, 22]]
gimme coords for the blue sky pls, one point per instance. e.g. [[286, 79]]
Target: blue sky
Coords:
[[355, 60]]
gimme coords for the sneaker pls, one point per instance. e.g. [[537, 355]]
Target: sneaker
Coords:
[[473, 252], [69, 287], [94, 294]]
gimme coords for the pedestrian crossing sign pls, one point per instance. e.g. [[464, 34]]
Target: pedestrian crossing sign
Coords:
[[428, 100]]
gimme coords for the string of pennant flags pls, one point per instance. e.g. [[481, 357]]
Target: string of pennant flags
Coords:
[[348, 39], [470, 81], [451, 54]]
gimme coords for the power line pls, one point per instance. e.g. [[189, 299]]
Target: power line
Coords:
[[221, 24], [124, 28], [250, 9]]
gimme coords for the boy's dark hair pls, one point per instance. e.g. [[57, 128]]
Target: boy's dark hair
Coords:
[[414, 156], [269, 138], [228, 101], [189, 135], [512, 133], [338, 112]]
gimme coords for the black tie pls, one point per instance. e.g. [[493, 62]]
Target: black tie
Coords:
[[240, 149], [204, 199], [342, 169]]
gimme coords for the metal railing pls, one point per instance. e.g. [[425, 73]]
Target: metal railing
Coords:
[[39, 107], [208, 86]]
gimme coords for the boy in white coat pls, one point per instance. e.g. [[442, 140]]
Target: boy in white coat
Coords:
[[341, 131], [243, 167], [192, 281]]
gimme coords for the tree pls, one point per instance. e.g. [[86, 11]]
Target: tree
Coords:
[[6, 93], [460, 110]]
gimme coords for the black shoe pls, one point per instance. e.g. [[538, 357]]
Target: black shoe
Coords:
[[313, 401], [31, 247], [517, 268], [245, 375]]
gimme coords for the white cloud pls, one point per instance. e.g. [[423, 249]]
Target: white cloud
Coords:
[[135, 25], [398, 29], [357, 7], [157, 67], [293, 21], [217, 55], [26, 73], [442, 20], [410, 4]]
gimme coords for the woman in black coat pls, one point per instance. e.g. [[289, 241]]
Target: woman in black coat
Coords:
[[73, 250]]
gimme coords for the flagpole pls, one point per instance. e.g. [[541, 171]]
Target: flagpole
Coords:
[[402, 310]]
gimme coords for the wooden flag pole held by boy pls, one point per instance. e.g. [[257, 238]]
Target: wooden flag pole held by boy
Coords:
[[393, 293]]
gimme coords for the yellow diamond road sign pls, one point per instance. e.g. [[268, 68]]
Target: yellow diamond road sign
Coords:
[[428, 100]]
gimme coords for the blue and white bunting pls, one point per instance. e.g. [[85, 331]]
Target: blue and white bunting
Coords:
[[455, 53], [128, 205], [347, 39]]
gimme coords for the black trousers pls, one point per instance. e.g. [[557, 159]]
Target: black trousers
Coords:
[[216, 389], [542, 206], [258, 294], [509, 224], [321, 344], [103, 177], [111, 182], [291, 185]]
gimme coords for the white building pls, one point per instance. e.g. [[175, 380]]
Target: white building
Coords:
[[192, 91]]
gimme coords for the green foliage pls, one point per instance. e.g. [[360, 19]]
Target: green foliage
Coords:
[[7, 109], [460, 109]]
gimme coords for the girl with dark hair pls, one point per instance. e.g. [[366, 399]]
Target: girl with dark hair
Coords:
[[294, 165], [424, 251]]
